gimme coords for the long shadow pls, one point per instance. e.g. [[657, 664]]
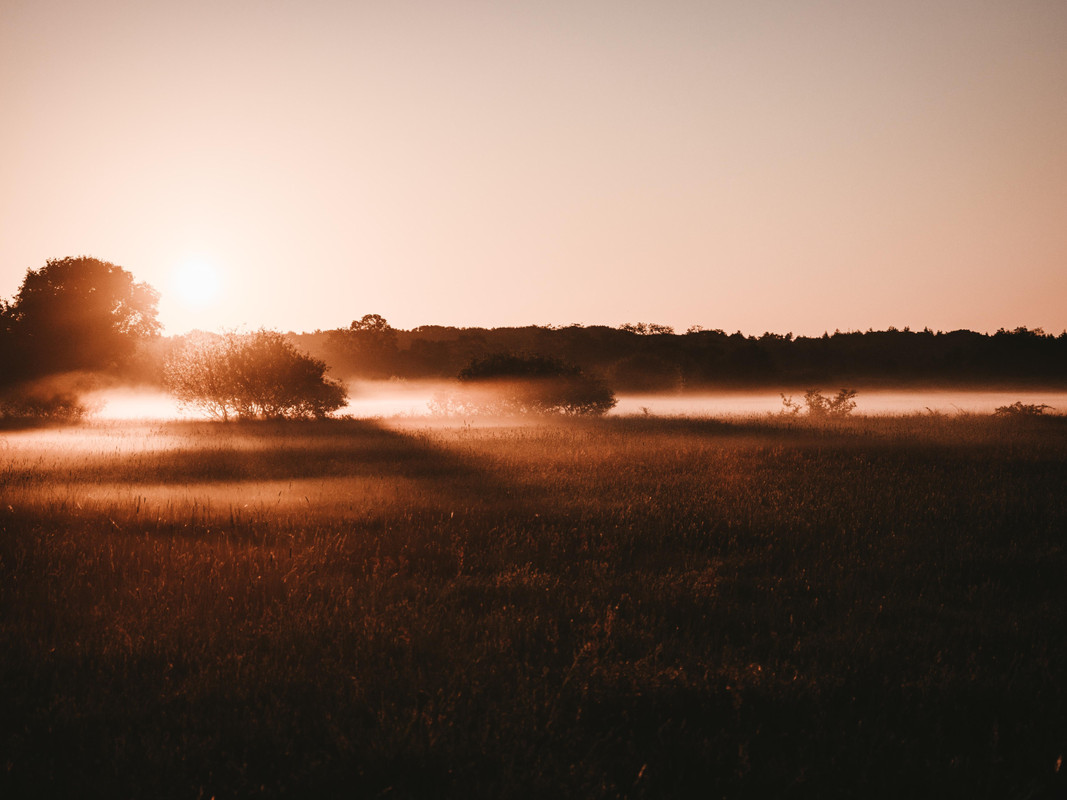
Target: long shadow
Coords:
[[204, 453]]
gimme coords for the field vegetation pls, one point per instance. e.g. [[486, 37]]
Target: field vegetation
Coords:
[[780, 606], [252, 375]]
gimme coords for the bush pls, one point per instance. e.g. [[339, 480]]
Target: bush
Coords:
[[819, 405], [32, 405], [507, 384], [1019, 409], [252, 375]]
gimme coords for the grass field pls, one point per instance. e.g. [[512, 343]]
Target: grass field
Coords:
[[629, 607]]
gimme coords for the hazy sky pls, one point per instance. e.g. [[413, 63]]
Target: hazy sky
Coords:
[[786, 166]]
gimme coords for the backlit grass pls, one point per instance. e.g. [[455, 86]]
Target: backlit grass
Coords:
[[625, 607]]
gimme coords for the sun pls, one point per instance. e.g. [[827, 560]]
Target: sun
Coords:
[[196, 284]]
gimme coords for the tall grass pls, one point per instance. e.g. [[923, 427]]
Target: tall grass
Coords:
[[618, 608]]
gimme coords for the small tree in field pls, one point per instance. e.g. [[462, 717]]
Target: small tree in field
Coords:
[[252, 375]]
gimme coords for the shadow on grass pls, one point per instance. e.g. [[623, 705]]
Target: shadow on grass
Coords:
[[190, 453]]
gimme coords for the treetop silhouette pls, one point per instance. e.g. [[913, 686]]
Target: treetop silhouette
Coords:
[[76, 313]]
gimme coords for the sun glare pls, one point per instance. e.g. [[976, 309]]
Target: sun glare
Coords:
[[196, 284]]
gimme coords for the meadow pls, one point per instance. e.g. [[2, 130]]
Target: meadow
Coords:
[[625, 607]]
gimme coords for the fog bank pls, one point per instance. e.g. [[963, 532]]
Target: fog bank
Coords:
[[369, 399]]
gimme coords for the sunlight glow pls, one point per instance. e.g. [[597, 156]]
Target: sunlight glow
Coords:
[[196, 284]]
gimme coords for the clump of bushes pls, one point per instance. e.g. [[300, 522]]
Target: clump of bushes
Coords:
[[22, 405], [1019, 409], [505, 384], [819, 406], [255, 375]]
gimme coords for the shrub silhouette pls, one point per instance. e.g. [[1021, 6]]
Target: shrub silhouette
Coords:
[[38, 403], [1020, 409], [819, 405], [509, 384], [260, 374]]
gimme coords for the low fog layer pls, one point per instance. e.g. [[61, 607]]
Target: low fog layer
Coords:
[[948, 401], [136, 404], [414, 399]]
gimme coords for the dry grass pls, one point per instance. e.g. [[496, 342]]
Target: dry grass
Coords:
[[626, 607]]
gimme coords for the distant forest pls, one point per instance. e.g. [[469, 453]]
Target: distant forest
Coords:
[[652, 358]]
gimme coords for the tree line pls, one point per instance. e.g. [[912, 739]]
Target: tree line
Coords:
[[639, 357]]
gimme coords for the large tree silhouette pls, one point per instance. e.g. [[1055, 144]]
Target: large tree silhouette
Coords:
[[75, 314]]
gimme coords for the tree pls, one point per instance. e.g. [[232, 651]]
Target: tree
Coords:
[[646, 328], [375, 323], [75, 314], [507, 384], [366, 348], [260, 374]]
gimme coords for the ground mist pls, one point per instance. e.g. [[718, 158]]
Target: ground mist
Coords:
[[625, 607]]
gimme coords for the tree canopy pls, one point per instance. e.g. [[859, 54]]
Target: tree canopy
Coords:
[[259, 374], [76, 313], [367, 347]]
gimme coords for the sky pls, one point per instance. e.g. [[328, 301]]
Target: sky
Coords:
[[796, 166]]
